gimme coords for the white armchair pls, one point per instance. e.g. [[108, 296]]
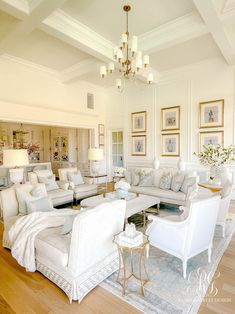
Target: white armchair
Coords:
[[187, 238], [60, 195], [226, 194], [81, 190]]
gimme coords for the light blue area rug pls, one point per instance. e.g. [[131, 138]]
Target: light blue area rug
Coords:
[[168, 292]]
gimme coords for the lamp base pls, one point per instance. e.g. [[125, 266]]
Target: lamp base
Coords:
[[95, 168]]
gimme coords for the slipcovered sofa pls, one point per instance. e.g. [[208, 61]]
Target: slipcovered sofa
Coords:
[[81, 190], [59, 192], [147, 181], [78, 261]]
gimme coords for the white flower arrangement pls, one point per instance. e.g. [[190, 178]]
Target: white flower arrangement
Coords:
[[217, 156], [120, 170], [122, 185]]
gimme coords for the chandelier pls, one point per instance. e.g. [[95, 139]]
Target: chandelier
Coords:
[[129, 60]]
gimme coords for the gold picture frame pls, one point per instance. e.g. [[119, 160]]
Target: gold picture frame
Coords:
[[211, 114], [170, 118], [171, 144], [139, 145], [206, 138], [139, 122]]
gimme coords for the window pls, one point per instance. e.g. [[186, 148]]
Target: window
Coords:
[[117, 148]]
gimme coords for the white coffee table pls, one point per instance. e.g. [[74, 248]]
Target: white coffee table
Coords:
[[135, 202]]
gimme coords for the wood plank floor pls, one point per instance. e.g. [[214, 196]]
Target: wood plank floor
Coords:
[[22, 292]]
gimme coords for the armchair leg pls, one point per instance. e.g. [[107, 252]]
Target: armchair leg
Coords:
[[185, 268], [209, 253]]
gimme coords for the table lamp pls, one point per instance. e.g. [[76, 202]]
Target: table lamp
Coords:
[[16, 158], [95, 155]]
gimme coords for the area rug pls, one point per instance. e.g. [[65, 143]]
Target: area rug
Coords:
[[167, 291]]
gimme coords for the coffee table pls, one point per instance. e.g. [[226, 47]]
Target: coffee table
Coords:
[[135, 203]]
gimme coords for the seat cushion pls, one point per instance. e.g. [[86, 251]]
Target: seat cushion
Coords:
[[164, 194], [60, 196], [51, 245], [84, 188]]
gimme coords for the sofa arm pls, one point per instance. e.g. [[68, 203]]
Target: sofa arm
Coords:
[[64, 185], [192, 192]]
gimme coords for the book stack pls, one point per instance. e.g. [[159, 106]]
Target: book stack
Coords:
[[130, 241]]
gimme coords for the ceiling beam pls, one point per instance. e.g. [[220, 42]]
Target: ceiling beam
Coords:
[[172, 33], [221, 36]]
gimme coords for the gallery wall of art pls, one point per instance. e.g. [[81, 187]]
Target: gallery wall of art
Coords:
[[210, 81]]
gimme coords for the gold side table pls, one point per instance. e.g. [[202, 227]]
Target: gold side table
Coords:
[[141, 251]]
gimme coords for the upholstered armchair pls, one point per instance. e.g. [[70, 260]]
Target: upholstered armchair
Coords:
[[78, 261], [58, 191], [187, 238], [81, 190], [226, 194]]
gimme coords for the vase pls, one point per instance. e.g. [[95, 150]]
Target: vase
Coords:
[[121, 194], [215, 175]]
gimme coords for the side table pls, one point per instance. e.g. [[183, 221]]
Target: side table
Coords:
[[141, 251], [95, 179]]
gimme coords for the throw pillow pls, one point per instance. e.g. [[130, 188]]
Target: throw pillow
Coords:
[[40, 205], [75, 177], [165, 181], [177, 181], [146, 180], [135, 178], [49, 182], [25, 196], [188, 182], [68, 224]]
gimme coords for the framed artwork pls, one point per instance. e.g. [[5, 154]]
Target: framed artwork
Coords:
[[101, 140], [213, 138], [139, 145], [171, 144], [171, 118], [101, 129], [139, 123], [212, 114]]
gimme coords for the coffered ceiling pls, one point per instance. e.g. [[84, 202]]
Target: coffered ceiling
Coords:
[[72, 38]]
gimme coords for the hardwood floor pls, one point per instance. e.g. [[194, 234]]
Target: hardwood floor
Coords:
[[22, 292]]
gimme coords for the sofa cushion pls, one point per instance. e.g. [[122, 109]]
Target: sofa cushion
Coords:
[[146, 179], [60, 196], [177, 181], [162, 194], [53, 246], [165, 181], [75, 177], [44, 173], [42, 205], [132, 177], [188, 182]]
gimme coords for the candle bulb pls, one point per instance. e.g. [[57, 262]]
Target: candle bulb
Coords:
[[103, 71]]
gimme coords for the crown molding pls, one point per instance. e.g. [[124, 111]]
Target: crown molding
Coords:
[[65, 27], [21, 5], [29, 64], [184, 28]]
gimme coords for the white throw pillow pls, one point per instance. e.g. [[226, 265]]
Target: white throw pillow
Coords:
[[177, 181], [40, 205], [75, 177], [49, 182], [188, 182], [25, 196], [132, 177], [165, 181], [146, 180]]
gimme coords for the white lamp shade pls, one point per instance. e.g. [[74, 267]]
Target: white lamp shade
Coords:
[[111, 67], [134, 42], [95, 154], [15, 157], [150, 78], [103, 70], [138, 63], [124, 38], [146, 60]]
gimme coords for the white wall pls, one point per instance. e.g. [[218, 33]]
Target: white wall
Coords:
[[186, 87]]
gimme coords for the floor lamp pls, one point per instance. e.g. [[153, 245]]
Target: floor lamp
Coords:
[[16, 158], [95, 155]]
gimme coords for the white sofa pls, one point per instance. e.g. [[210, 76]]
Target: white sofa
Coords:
[[81, 190], [166, 196], [189, 237], [79, 261], [59, 196]]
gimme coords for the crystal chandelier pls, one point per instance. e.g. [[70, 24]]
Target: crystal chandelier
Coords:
[[128, 59]]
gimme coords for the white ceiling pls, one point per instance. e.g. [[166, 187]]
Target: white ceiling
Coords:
[[74, 37], [108, 18]]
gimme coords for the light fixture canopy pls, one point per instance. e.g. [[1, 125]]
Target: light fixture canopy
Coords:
[[129, 59]]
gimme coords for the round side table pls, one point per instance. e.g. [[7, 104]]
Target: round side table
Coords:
[[141, 251]]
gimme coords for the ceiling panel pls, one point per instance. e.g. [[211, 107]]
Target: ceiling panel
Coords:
[[192, 51], [7, 23], [46, 50], [107, 17]]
